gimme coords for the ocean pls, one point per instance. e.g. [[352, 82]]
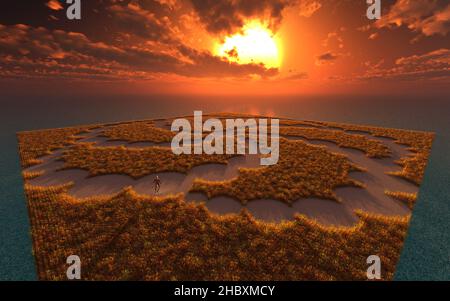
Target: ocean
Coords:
[[426, 252]]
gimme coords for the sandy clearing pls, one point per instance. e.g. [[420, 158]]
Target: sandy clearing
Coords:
[[172, 182]]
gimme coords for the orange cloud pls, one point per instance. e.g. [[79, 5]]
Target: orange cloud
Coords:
[[44, 53], [374, 36], [309, 8], [54, 5]]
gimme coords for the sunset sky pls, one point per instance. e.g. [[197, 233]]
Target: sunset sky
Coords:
[[226, 47]]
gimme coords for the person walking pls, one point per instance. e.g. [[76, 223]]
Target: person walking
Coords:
[[157, 184]]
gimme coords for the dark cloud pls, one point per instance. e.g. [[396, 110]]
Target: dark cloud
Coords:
[[428, 17], [232, 53], [101, 20], [144, 18], [128, 39], [329, 56], [41, 52], [326, 58], [228, 16]]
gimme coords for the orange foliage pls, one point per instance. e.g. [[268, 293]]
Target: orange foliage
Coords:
[[419, 142], [408, 198], [143, 131], [371, 147], [302, 171], [136, 163], [131, 237], [35, 144]]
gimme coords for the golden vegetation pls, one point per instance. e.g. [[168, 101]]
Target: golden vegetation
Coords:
[[131, 237], [413, 167], [419, 142], [29, 175], [408, 198], [303, 170], [144, 131], [136, 163], [35, 144], [371, 147]]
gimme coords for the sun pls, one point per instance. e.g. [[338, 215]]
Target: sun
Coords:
[[255, 44]]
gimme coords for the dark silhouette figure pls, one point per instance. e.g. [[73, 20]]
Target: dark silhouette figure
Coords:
[[157, 184]]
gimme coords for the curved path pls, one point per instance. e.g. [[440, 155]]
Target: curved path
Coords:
[[370, 199]]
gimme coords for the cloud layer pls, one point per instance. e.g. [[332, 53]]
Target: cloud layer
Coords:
[[229, 15], [147, 45], [428, 17], [173, 40], [430, 66]]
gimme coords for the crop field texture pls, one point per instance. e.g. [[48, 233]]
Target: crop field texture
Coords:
[[146, 131], [419, 142], [35, 144], [136, 163], [138, 132], [372, 148], [29, 175], [303, 171], [409, 198], [131, 237]]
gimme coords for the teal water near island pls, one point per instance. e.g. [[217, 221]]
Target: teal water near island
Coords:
[[426, 252]]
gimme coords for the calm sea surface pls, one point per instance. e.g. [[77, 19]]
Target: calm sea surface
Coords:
[[426, 254]]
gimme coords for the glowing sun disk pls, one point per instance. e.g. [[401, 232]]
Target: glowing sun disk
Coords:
[[256, 44]]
